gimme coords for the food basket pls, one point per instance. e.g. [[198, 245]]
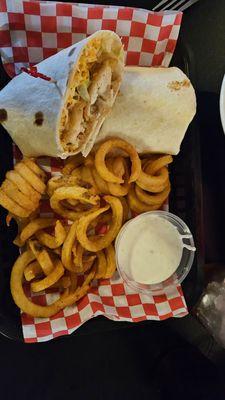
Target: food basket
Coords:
[[185, 201]]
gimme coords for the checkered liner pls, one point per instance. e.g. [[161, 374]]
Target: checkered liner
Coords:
[[31, 31]]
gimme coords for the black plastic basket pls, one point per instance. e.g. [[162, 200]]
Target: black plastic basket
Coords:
[[185, 201], [186, 183]]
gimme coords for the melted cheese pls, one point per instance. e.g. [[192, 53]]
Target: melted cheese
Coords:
[[88, 56]]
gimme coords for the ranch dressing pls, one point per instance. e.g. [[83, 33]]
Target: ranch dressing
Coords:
[[150, 250]]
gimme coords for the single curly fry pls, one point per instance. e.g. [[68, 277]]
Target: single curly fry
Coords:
[[138, 206], [12, 206], [31, 164], [49, 280], [152, 198], [35, 181], [116, 164], [98, 243], [110, 261], [120, 168], [101, 265], [42, 256], [154, 174], [67, 255], [33, 270], [82, 263], [155, 165], [58, 181], [34, 226], [74, 193], [153, 183], [73, 279], [125, 209], [102, 152], [52, 242]]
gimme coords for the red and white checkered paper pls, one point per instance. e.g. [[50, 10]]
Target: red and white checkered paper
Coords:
[[31, 31]]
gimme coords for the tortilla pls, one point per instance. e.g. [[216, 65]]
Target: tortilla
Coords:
[[153, 109], [61, 117]]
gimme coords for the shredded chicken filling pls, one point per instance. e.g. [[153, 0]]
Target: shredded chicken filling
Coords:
[[90, 100]]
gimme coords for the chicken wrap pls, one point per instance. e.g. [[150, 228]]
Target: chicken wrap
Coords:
[[62, 116], [153, 109]]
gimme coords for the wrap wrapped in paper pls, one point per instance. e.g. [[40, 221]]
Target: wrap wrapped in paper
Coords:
[[153, 109], [63, 116]]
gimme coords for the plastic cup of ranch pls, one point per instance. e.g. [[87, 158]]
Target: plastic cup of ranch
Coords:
[[154, 252]]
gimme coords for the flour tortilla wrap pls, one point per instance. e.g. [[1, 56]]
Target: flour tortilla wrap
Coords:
[[153, 109], [62, 118]]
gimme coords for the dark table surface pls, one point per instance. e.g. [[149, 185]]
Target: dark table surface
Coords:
[[120, 364]]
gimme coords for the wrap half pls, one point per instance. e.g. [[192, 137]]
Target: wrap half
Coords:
[[153, 109], [63, 116]]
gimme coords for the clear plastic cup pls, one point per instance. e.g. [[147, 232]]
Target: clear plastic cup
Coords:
[[182, 269]]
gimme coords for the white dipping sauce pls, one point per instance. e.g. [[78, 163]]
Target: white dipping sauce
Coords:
[[150, 249]]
